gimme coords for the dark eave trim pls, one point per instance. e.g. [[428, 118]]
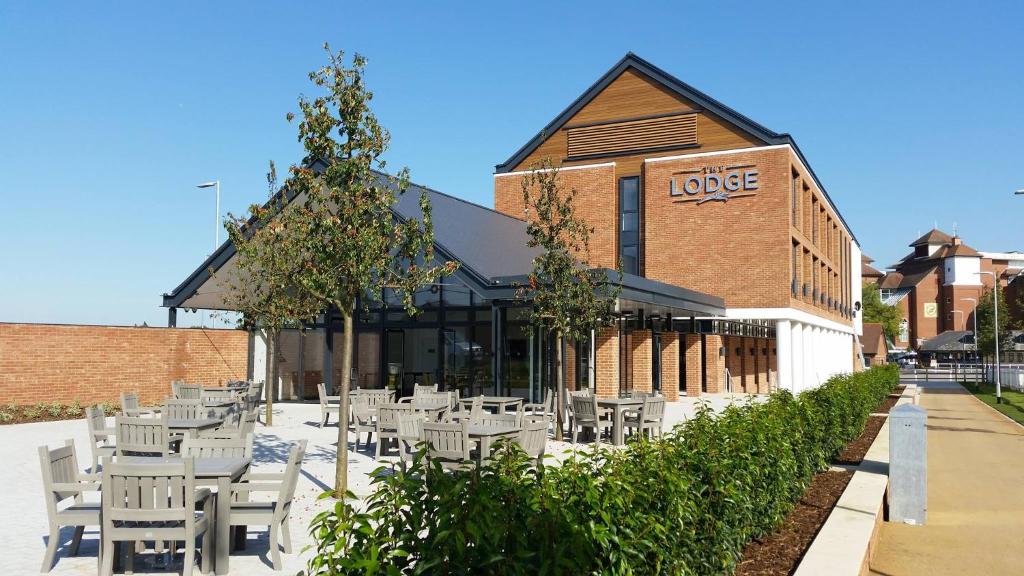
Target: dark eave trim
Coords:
[[635, 288]]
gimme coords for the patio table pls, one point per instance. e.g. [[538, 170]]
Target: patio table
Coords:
[[502, 403], [618, 406], [434, 410], [193, 425], [219, 472], [485, 435]]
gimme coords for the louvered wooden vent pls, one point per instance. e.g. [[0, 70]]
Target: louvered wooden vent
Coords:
[[664, 132]]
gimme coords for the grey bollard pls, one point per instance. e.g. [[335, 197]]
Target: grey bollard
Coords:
[[908, 464]]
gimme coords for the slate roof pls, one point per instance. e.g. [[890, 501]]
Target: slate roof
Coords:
[[933, 237], [491, 249], [949, 341]]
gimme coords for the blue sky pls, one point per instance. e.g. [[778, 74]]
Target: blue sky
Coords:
[[111, 113]]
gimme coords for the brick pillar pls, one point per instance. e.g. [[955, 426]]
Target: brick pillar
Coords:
[[773, 360], [606, 350], [570, 365], [641, 349], [763, 360], [734, 361], [714, 364], [670, 365], [693, 367], [750, 365]]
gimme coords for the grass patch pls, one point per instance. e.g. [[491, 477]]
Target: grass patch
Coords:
[[1013, 402]]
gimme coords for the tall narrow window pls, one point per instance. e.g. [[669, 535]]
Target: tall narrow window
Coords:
[[629, 224], [794, 193]]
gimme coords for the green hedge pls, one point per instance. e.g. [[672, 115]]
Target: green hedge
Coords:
[[685, 504]]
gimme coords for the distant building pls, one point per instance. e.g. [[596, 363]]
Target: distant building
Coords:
[[934, 286], [874, 345]]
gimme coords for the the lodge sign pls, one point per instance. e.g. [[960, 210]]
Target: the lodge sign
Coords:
[[714, 183]]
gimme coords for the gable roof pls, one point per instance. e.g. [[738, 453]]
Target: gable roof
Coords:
[[683, 90], [493, 257], [663, 78], [932, 238], [870, 340]]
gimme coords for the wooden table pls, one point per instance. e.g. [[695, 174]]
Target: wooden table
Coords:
[[219, 472], [434, 410], [485, 435], [502, 403], [618, 406], [193, 425]]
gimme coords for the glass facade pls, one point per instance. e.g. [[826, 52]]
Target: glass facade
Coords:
[[451, 342]]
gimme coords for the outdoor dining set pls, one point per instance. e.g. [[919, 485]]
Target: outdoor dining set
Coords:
[[460, 431], [168, 476]]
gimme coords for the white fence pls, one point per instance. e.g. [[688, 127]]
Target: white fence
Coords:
[[1011, 375]]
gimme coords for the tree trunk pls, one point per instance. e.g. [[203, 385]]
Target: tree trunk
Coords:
[[559, 386], [273, 371], [341, 463]]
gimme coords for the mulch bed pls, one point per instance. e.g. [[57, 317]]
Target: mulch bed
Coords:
[[21, 419], [780, 552], [854, 452]]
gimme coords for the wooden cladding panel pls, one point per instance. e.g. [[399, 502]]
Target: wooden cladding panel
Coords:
[[629, 96], [671, 131]]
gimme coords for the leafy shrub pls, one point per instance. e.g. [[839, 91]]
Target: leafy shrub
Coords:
[[53, 409], [74, 410], [8, 412], [683, 504], [34, 411]]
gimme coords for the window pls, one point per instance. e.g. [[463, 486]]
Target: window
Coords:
[[629, 224], [794, 192], [796, 268]]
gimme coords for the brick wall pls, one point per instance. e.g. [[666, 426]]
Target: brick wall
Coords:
[[48, 362], [606, 349], [670, 365], [641, 348], [714, 364], [596, 202], [693, 365]]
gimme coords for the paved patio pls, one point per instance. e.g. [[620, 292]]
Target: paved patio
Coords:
[[25, 532]]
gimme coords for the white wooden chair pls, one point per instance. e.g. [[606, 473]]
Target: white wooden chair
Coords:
[[328, 405], [62, 481], [130, 406], [274, 514], [99, 435], [448, 444], [217, 447], [650, 418], [586, 415], [141, 436], [155, 502], [533, 439], [410, 433]]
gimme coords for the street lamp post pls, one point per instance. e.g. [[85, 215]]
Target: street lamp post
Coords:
[[995, 294], [216, 217], [215, 184]]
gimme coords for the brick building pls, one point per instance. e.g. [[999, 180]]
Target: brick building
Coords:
[[739, 271], [938, 284]]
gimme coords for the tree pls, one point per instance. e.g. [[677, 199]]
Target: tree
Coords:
[[347, 241], [879, 313], [985, 314], [261, 285], [569, 297]]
